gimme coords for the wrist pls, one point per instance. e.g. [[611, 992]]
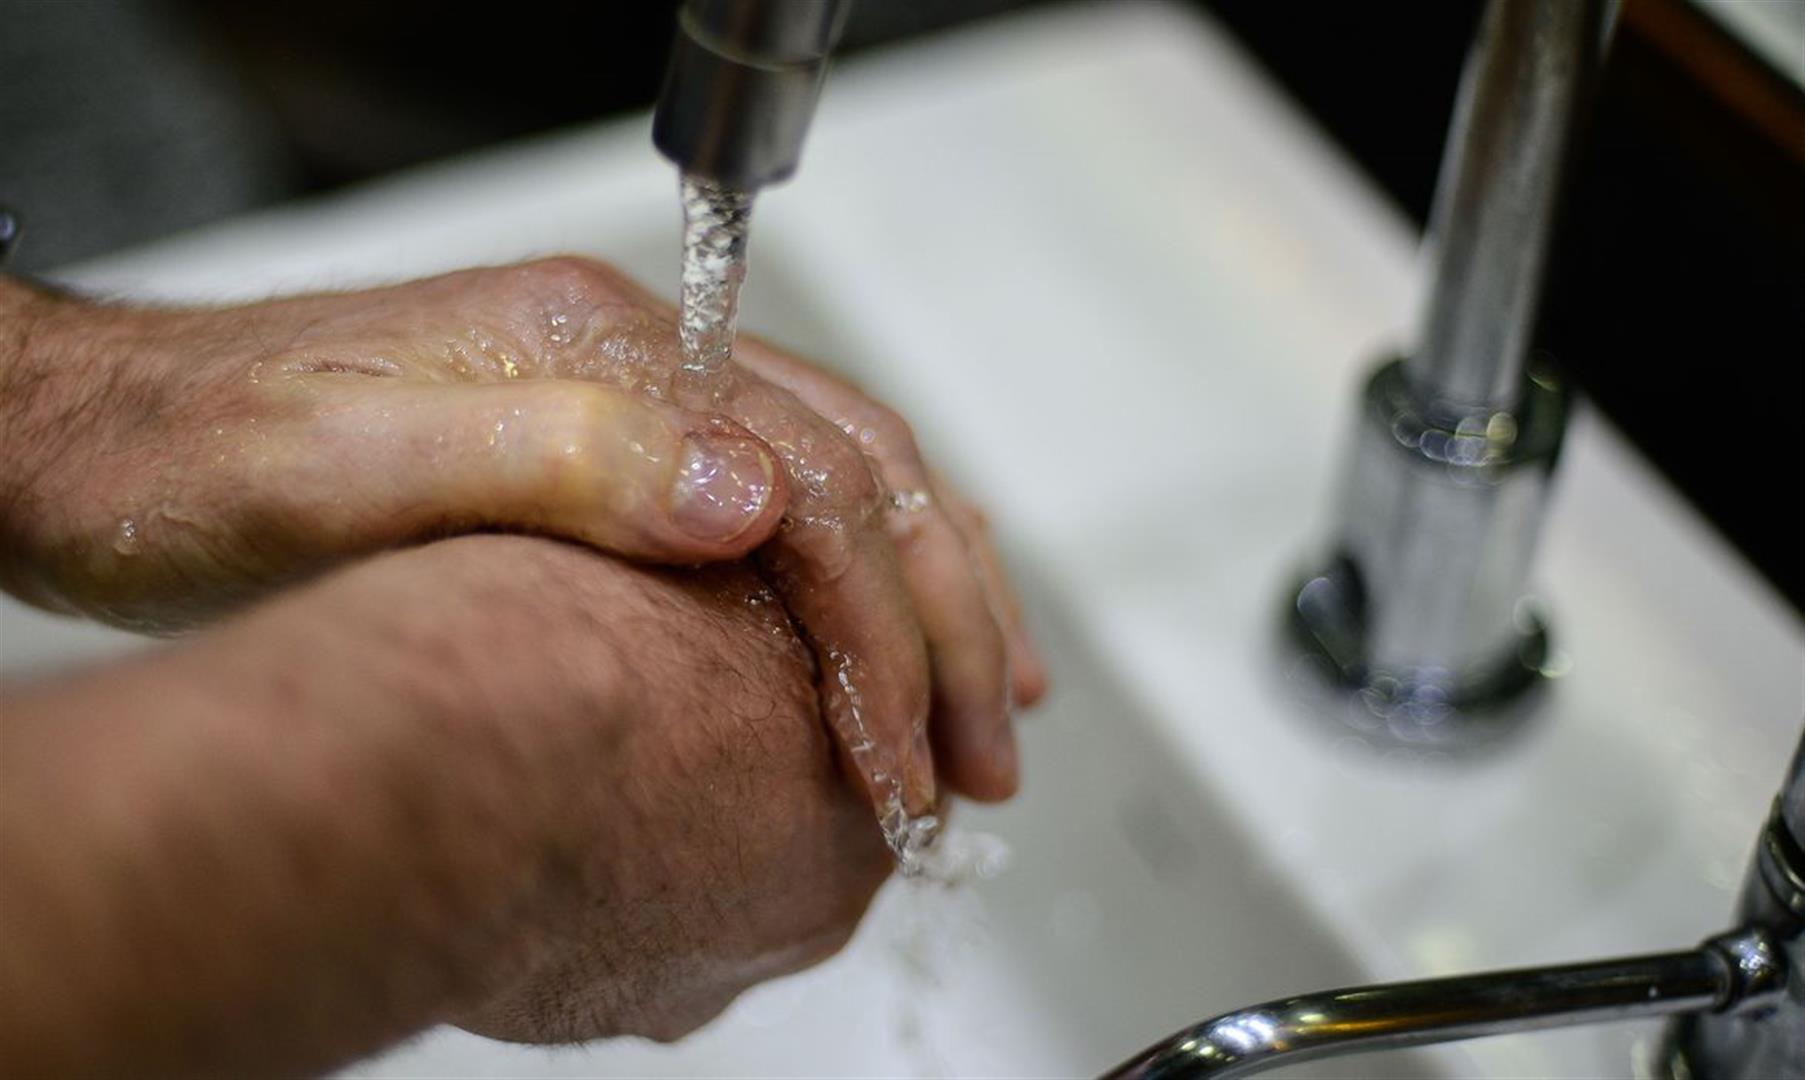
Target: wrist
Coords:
[[430, 800], [40, 398], [25, 314], [68, 366]]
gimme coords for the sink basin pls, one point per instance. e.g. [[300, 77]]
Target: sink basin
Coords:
[[1126, 294]]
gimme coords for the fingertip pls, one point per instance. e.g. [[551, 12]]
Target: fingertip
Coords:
[[1028, 682], [979, 757], [985, 784], [728, 496]]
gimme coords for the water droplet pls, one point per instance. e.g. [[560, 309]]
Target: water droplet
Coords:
[[125, 538], [909, 502]]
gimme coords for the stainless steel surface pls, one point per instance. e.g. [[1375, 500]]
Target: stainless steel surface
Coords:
[[767, 32], [741, 88], [1437, 1010], [1792, 797], [1420, 605], [1765, 1038], [1522, 95]]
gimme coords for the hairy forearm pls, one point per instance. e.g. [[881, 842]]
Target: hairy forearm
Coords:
[[89, 392], [269, 850], [51, 347], [23, 373]]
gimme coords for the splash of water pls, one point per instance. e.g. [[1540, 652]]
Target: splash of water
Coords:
[[937, 919]]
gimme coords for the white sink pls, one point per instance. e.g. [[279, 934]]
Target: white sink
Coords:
[[1126, 295]]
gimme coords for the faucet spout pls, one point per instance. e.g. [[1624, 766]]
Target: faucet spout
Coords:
[[741, 88], [1716, 976]]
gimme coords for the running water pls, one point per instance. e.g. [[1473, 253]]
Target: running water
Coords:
[[910, 838], [716, 219], [935, 921]]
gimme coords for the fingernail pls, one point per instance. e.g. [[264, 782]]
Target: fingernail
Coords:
[[723, 484]]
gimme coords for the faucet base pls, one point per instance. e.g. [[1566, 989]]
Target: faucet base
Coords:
[[1420, 614], [1429, 706]]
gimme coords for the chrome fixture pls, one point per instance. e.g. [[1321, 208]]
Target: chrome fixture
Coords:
[[1759, 1043], [1739, 998], [1420, 606], [741, 87], [9, 233]]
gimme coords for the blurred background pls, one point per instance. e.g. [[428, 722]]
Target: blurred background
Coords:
[[1677, 289]]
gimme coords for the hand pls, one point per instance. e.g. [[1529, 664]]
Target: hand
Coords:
[[175, 463], [164, 466], [498, 780], [712, 840]]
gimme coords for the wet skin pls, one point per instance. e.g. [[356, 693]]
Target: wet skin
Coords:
[[171, 465], [500, 781]]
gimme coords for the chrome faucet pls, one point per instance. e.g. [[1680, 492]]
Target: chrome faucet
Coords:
[[1739, 998], [1420, 606], [741, 87]]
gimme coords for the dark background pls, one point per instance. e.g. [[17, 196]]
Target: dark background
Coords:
[[1676, 298]]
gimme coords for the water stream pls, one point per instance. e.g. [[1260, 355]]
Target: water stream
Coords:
[[716, 220], [715, 223]]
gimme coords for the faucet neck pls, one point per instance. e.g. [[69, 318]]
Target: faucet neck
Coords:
[[1525, 88]]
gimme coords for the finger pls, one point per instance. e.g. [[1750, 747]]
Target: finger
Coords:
[[973, 735], [973, 739], [1027, 671], [837, 570], [380, 462]]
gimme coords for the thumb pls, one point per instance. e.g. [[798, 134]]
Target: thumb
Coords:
[[607, 467]]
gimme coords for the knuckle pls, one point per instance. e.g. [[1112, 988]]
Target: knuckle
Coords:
[[573, 279], [843, 472], [893, 434], [881, 432], [587, 409], [567, 447]]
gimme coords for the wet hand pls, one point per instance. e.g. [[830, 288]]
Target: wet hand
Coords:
[[698, 835], [164, 466], [890, 571], [495, 780], [174, 464]]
